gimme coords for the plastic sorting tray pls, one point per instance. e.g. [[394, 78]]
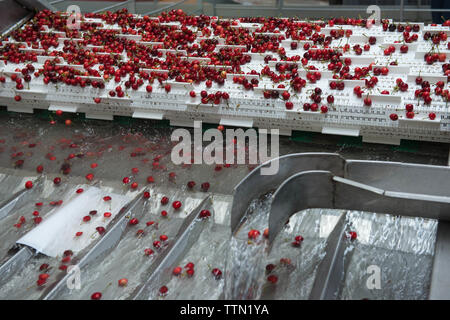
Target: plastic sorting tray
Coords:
[[346, 116]]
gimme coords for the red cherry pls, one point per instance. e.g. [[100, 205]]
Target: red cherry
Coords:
[[66, 259], [393, 117], [164, 200], [353, 235], [190, 272], [89, 177], [37, 220], [100, 230], [164, 213], [78, 234], [43, 267], [123, 282], [57, 181], [191, 184], [17, 98], [134, 185], [149, 89], [96, 296], [205, 186], [204, 214], [146, 195], [39, 168], [148, 252], [253, 234], [107, 214], [272, 279], [157, 244], [176, 205], [44, 276], [217, 273], [192, 94], [150, 179], [163, 237], [368, 102], [133, 221], [126, 180], [28, 184], [97, 100], [40, 282], [432, 115], [189, 265], [163, 291], [176, 271], [410, 115]]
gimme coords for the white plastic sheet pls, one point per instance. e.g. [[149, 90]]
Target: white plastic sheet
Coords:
[[57, 233]]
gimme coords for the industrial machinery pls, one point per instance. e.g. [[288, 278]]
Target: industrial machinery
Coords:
[[90, 211]]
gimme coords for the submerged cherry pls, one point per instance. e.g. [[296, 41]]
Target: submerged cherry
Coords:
[[205, 186], [164, 200], [148, 252], [96, 296], [190, 272], [133, 221], [253, 234], [176, 271], [157, 244], [176, 205], [191, 184], [217, 273], [272, 279], [100, 230], [43, 267], [123, 282], [163, 291], [204, 214]]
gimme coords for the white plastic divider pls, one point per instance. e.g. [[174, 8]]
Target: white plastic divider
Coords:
[[57, 233], [341, 131], [148, 115], [236, 122]]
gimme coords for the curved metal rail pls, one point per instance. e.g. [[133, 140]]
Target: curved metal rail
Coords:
[[393, 176]]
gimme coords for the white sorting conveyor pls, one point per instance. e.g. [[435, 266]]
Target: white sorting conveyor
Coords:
[[347, 116]]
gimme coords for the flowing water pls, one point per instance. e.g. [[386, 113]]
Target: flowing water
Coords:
[[402, 248]]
